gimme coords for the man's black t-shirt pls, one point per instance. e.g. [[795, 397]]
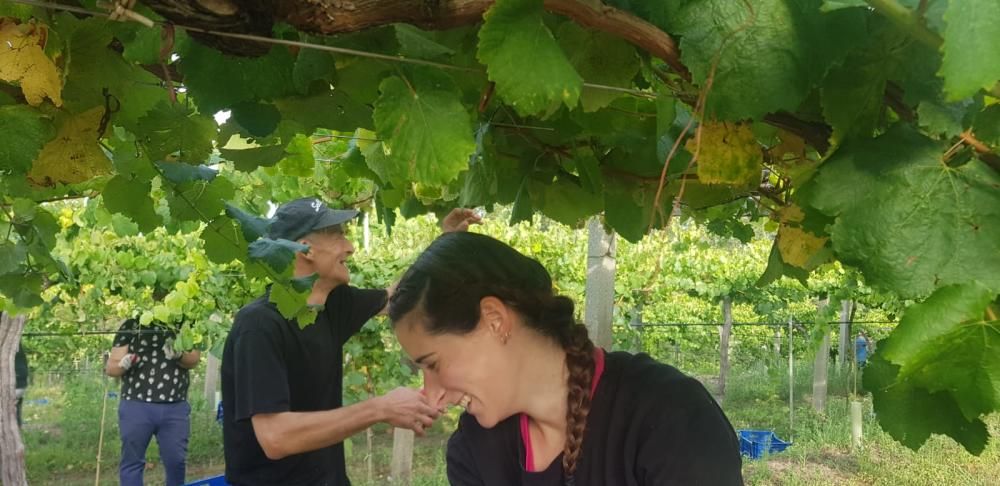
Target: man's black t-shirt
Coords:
[[649, 424], [153, 378], [270, 365]]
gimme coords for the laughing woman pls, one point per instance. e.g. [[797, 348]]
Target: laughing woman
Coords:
[[543, 405]]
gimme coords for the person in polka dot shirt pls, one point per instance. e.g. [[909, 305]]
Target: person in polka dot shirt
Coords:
[[153, 398]]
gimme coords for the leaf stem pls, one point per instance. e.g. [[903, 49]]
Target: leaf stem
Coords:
[[908, 20]]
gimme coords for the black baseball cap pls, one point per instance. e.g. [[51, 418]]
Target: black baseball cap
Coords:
[[298, 218]]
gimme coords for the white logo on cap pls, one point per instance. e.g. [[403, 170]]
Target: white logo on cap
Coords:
[[316, 205]]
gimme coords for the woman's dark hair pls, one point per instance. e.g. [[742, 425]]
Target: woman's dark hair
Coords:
[[459, 269]]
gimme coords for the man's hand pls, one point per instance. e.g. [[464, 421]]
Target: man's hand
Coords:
[[459, 219], [128, 360], [408, 409]]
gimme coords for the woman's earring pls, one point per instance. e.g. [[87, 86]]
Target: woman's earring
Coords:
[[505, 337]]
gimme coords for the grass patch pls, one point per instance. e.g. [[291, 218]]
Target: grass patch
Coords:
[[61, 439]]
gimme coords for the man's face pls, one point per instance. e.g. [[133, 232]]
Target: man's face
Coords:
[[328, 254]]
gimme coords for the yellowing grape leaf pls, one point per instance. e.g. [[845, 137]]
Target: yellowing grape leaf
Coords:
[[729, 154], [791, 214], [23, 62], [800, 248], [74, 155]]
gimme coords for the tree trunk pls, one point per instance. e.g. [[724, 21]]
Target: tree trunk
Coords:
[[724, 332], [402, 456], [821, 365], [11, 447], [600, 290], [342, 16], [845, 346]]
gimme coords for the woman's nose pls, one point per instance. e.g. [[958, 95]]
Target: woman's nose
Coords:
[[434, 391]]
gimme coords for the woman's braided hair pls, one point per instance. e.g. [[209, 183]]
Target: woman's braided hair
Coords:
[[452, 276]]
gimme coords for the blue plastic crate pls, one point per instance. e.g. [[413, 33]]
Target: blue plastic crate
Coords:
[[758, 443], [212, 481]]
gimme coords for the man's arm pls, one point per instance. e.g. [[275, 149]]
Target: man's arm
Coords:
[[287, 433], [459, 219]]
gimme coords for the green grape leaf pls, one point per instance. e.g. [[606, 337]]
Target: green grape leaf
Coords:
[[565, 201], [95, 69], [831, 5], [302, 284], [181, 173], [24, 290], [354, 164], [746, 84], [313, 67], [987, 125], [480, 184], [946, 344], [253, 226], [224, 242], [130, 198], [216, 81], [970, 38], [384, 167], [298, 160], [247, 160], [853, 92], [333, 110], [128, 160], [416, 43], [123, 226], [589, 170], [911, 414], [514, 42], [942, 119], [424, 128], [16, 10], [23, 133], [173, 128], [292, 303], [142, 45], [277, 254], [887, 192], [523, 207], [361, 77], [199, 200], [12, 255], [259, 119], [599, 58], [628, 208]]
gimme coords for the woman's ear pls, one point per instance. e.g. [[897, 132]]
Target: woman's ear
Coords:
[[495, 315]]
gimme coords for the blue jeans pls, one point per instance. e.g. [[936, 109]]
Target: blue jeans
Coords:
[[138, 423]]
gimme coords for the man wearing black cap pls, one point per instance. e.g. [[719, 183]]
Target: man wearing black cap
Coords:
[[281, 384]]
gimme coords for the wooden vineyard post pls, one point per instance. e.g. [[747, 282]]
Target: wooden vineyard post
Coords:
[[821, 365], [600, 288], [845, 346], [724, 333], [401, 468]]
